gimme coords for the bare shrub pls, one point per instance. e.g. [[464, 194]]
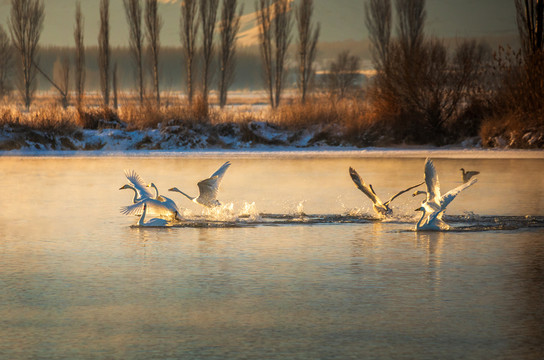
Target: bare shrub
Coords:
[[343, 75]]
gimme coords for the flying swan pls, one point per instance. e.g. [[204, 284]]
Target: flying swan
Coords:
[[208, 188], [380, 208], [141, 190], [434, 206]]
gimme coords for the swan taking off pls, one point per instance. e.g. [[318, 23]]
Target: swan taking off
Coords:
[[434, 206], [379, 207], [141, 191], [208, 188], [467, 175], [160, 205], [152, 222]]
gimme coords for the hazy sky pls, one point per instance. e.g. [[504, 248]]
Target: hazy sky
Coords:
[[340, 19]]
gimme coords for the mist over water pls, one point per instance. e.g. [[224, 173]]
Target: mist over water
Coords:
[[294, 264]]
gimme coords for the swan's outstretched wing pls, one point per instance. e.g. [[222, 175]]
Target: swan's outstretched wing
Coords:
[[367, 190], [431, 180], [153, 206], [220, 172], [209, 187], [450, 195], [139, 184], [402, 192], [208, 190]]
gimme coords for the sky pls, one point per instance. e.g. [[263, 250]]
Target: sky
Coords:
[[340, 20]]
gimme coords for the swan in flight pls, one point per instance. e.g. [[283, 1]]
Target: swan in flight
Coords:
[[379, 207], [434, 206], [152, 222], [208, 188], [160, 205], [467, 175], [141, 190]]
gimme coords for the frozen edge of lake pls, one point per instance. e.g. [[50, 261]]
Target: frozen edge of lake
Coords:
[[287, 152]]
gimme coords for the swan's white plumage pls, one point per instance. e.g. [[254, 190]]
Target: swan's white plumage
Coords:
[[152, 222], [138, 183], [208, 188], [434, 206], [154, 206]]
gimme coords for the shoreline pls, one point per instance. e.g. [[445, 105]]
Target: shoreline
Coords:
[[294, 152]]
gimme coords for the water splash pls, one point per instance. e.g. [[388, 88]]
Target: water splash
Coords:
[[249, 212]]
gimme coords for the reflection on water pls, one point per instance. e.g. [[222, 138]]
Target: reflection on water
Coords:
[[270, 279]]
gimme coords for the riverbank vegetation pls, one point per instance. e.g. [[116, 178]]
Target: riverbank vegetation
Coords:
[[422, 91]]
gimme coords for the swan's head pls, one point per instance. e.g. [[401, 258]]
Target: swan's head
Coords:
[[461, 169], [419, 192], [174, 189], [126, 186], [420, 209], [151, 185]]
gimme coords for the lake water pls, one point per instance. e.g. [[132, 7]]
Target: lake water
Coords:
[[294, 266]]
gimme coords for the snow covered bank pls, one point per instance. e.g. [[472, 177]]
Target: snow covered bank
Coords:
[[237, 140]]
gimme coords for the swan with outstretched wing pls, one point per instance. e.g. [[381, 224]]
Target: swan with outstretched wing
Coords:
[[381, 208], [434, 205], [208, 188]]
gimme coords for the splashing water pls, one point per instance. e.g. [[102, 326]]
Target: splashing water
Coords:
[[224, 212], [249, 211]]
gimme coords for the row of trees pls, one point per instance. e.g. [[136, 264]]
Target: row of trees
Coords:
[[198, 23]]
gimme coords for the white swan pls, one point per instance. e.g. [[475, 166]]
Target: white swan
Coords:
[[208, 188], [467, 175], [434, 206], [155, 206], [379, 207], [141, 191], [169, 203], [152, 222]]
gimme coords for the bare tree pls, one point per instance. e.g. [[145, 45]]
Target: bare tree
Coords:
[[530, 19], [274, 21], [114, 82], [264, 20], [229, 27], [343, 74], [411, 14], [133, 11], [282, 31], [26, 24], [153, 22], [208, 14], [5, 63], [189, 28], [104, 52], [379, 22], [61, 77], [79, 56], [307, 42]]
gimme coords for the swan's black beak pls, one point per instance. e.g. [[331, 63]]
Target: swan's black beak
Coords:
[[418, 209], [121, 188]]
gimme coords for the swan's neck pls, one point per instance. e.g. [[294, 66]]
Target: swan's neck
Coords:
[[420, 222], [182, 193], [135, 199], [156, 190], [141, 222]]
